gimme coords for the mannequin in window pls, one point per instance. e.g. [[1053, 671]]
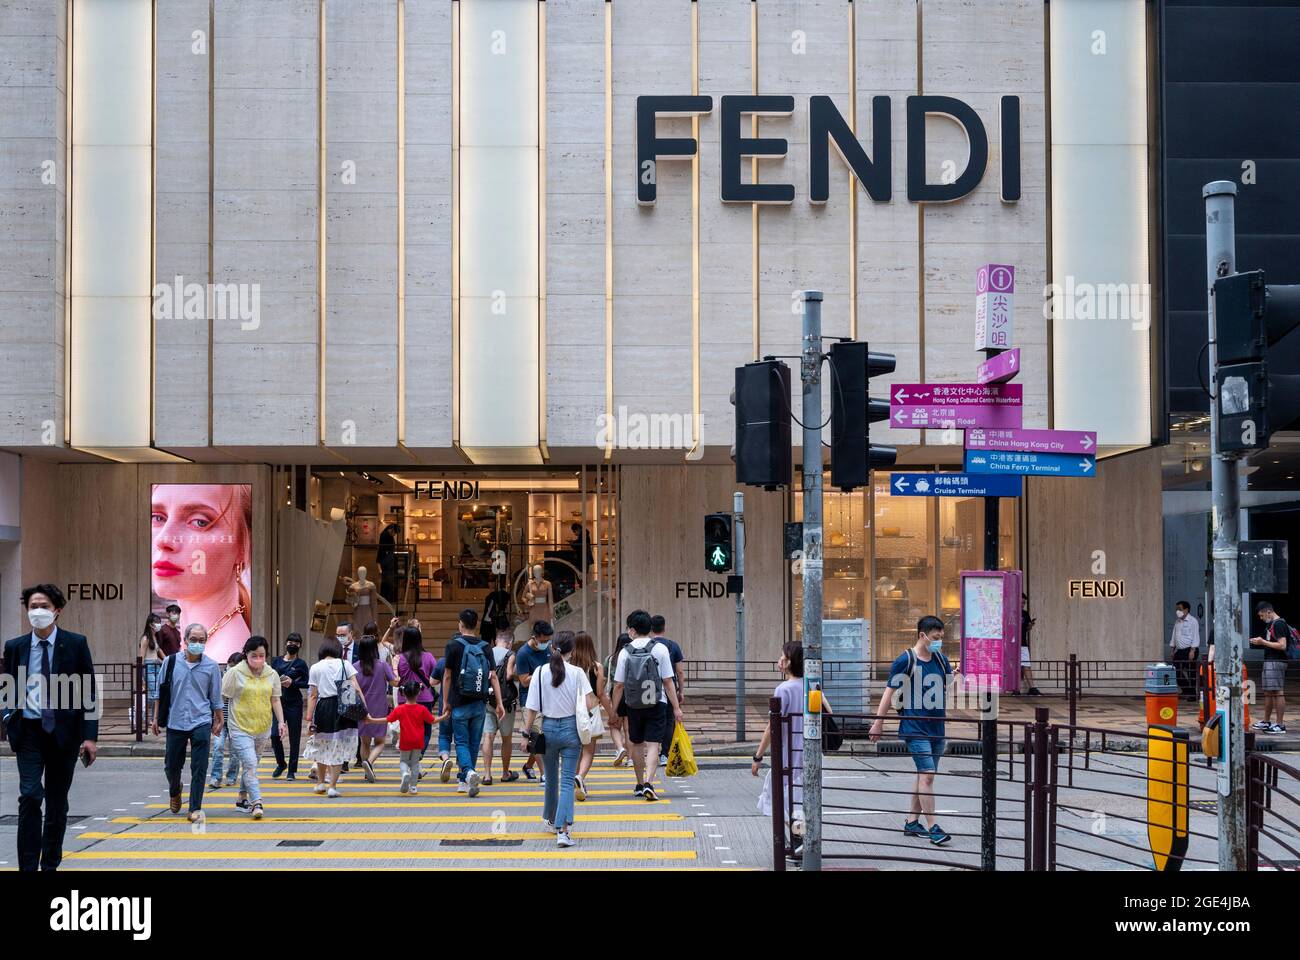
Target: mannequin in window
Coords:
[[537, 597], [361, 594]]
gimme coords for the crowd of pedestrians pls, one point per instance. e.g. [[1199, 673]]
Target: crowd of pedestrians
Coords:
[[364, 689]]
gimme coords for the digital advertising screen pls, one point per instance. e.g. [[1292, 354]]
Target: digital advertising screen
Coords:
[[201, 553]]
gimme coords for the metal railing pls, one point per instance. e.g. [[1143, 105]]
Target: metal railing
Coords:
[[1272, 813], [1047, 797]]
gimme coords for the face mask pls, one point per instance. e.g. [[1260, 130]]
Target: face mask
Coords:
[[174, 617], [292, 648], [1182, 615], [195, 648], [40, 618], [936, 646]]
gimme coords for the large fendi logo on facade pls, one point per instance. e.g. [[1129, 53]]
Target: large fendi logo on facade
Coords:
[[826, 128]]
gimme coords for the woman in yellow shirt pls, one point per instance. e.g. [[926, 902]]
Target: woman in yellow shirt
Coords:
[[253, 690]]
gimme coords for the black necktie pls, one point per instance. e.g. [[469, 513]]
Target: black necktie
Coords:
[[47, 715]]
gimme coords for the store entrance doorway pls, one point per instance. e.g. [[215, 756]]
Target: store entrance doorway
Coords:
[[525, 545]]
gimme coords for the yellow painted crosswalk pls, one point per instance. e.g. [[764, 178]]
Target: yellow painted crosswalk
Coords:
[[371, 824]]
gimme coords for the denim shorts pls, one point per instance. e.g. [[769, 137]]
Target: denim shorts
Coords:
[[926, 753]]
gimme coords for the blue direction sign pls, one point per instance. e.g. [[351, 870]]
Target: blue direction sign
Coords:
[[985, 462], [952, 485]]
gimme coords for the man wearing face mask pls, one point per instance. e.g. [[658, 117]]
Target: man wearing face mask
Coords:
[[169, 634], [293, 681], [919, 681], [1184, 645], [189, 707], [47, 734]]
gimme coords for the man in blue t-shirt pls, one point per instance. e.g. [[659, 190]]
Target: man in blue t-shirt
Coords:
[[533, 654], [918, 684]]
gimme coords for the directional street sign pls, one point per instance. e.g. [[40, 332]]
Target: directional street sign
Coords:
[[1030, 464], [952, 485], [955, 394], [1033, 441], [960, 405], [1002, 367], [962, 417]]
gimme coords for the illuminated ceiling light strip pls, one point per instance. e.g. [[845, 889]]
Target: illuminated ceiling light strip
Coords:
[[853, 182], [542, 448], [609, 227], [67, 225], [110, 266], [401, 223], [455, 226], [320, 231], [696, 438], [755, 260]]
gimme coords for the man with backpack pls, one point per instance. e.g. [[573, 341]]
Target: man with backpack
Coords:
[[189, 708], [643, 684], [468, 681], [919, 680], [1281, 643], [504, 659]]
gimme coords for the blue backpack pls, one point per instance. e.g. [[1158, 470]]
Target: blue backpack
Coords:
[[475, 669]]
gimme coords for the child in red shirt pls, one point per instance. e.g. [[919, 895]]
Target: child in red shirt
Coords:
[[411, 718]]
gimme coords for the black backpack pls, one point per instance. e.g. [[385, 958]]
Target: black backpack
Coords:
[[509, 690], [165, 689]]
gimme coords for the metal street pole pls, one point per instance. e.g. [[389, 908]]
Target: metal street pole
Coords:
[[738, 509], [810, 371], [1221, 259], [989, 723]]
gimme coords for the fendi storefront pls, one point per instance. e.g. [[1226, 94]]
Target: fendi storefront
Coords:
[[453, 289]]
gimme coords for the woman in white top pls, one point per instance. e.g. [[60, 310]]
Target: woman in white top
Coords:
[[555, 697], [333, 738]]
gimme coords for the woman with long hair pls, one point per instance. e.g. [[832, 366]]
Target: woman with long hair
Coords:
[[554, 695], [584, 658], [212, 522], [417, 664], [151, 655], [376, 678]]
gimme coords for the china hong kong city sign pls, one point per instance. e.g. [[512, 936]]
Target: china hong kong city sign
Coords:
[[826, 128]]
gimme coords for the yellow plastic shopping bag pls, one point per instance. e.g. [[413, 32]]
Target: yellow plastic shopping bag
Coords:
[[681, 758]]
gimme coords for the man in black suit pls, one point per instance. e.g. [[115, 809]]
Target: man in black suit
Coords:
[[57, 722]]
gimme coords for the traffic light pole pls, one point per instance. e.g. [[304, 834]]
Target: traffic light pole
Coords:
[[738, 501], [1220, 244], [810, 369]]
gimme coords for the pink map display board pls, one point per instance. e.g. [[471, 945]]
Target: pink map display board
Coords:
[[990, 618]]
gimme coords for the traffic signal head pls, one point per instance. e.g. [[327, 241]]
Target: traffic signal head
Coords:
[[762, 399], [717, 543], [853, 455], [1252, 400]]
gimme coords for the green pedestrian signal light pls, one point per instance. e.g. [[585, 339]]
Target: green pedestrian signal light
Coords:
[[717, 543]]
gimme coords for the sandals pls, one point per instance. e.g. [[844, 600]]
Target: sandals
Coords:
[[486, 781], [510, 776], [528, 772]]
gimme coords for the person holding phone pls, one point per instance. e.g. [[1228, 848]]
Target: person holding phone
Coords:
[[48, 736]]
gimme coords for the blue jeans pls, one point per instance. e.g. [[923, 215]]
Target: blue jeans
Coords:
[[561, 764], [926, 752], [467, 727], [218, 745]]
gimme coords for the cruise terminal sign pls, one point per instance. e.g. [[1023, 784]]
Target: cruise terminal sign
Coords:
[[827, 128]]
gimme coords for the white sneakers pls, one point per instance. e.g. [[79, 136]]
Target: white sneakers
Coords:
[[579, 789], [475, 782], [406, 782], [445, 773], [320, 789], [562, 839], [620, 759], [332, 793]]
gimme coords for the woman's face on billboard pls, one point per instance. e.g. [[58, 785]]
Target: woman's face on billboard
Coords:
[[198, 539]]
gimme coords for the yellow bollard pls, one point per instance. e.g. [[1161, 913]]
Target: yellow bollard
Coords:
[[1167, 778]]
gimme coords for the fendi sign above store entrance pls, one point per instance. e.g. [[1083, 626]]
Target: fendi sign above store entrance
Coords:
[[826, 128]]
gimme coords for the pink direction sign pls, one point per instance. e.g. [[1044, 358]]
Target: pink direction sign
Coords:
[[955, 394], [1033, 441], [1002, 367], [958, 417], [955, 405]]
